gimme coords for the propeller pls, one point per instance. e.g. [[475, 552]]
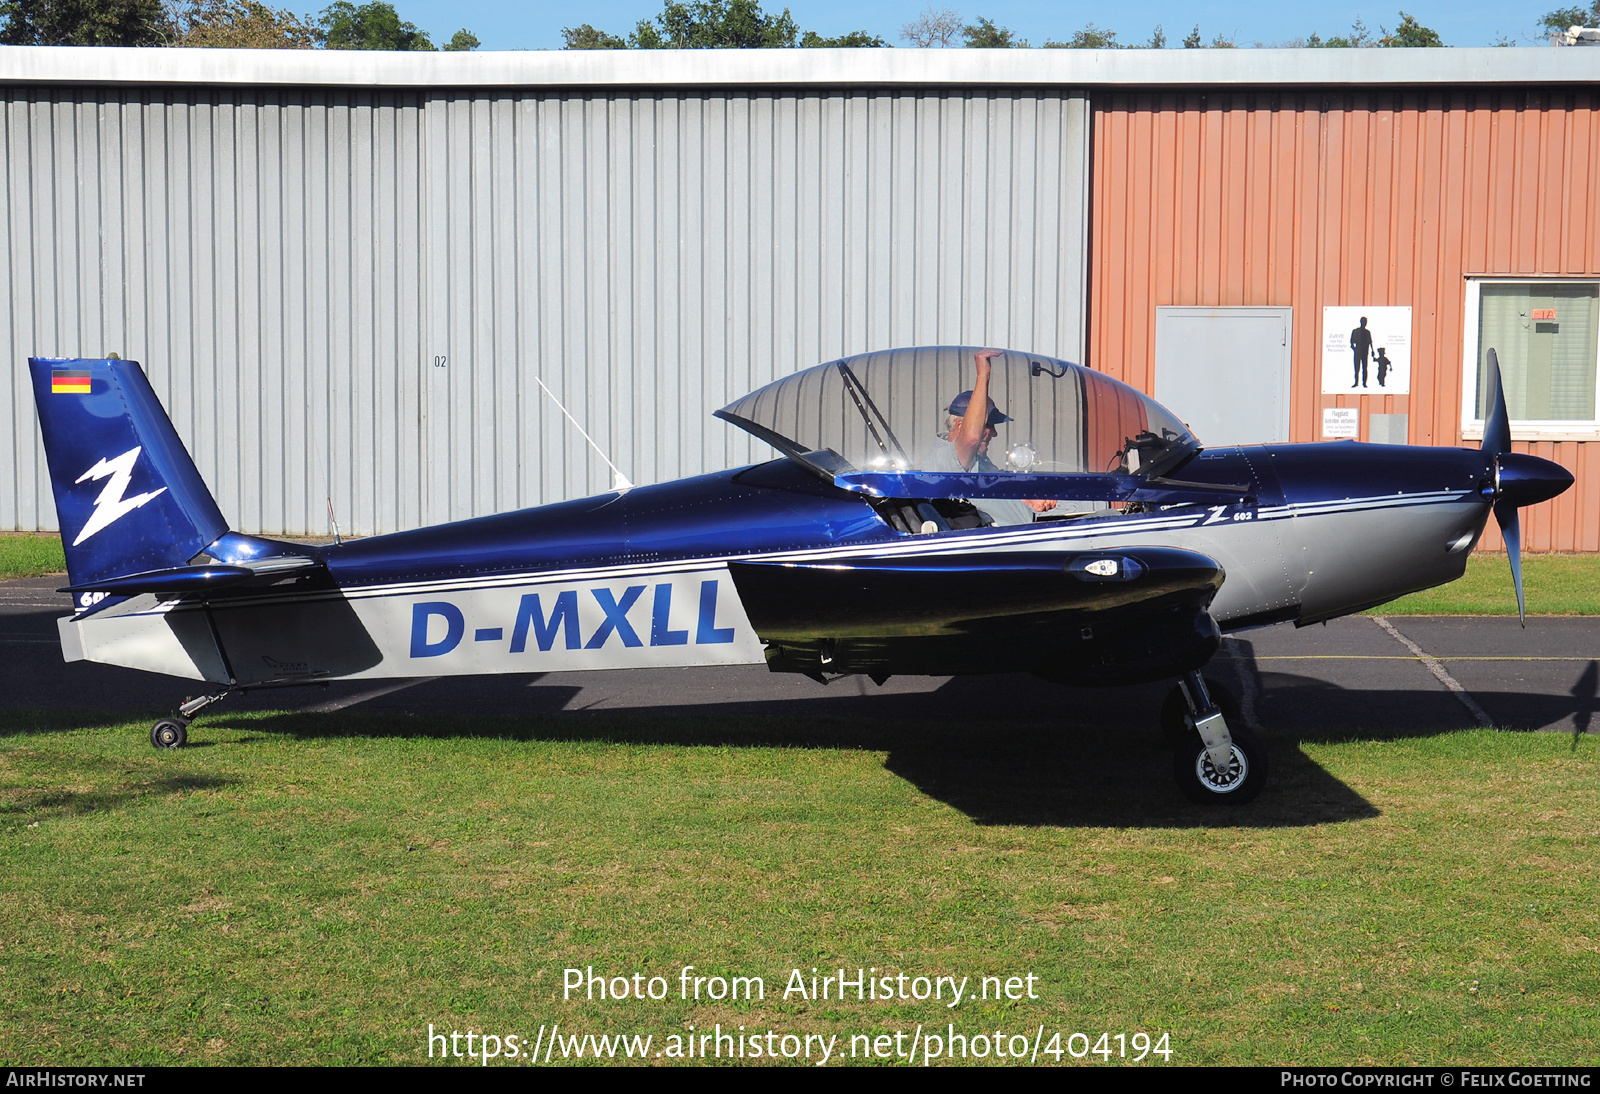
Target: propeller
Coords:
[[1497, 443], [1519, 479]]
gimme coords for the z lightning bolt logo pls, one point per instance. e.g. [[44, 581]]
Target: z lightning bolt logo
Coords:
[[111, 506]]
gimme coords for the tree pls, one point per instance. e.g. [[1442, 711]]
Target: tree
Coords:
[[586, 37], [933, 28], [856, 39], [1158, 39], [1358, 38], [84, 23], [463, 41], [1192, 40], [985, 35], [1564, 18], [241, 24], [715, 24], [1410, 34], [374, 25], [1090, 37]]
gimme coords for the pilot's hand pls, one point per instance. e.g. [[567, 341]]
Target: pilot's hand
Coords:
[[982, 358], [1039, 505]]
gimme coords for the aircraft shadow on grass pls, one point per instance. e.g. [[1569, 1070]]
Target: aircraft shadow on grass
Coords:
[[996, 772], [57, 802], [1583, 694], [1002, 750]]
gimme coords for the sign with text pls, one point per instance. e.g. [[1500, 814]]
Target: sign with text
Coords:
[[1339, 422], [1366, 351]]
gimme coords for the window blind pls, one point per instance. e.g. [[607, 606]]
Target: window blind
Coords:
[[1545, 336]]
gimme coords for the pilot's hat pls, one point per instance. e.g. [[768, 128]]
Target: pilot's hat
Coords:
[[959, 404]]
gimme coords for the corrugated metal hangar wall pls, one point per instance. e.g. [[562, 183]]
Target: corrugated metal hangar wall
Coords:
[[343, 270], [349, 292]]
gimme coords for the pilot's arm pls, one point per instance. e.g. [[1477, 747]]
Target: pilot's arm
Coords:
[[969, 434], [967, 438]]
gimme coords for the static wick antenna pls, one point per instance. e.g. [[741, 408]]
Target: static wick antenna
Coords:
[[620, 483]]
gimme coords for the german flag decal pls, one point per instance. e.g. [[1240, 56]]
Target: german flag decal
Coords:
[[69, 383]]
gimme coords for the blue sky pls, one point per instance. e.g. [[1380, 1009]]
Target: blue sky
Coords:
[[538, 26]]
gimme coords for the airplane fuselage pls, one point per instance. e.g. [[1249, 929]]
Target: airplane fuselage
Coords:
[[643, 579]]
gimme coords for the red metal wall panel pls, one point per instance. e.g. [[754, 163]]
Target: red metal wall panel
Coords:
[[1318, 198]]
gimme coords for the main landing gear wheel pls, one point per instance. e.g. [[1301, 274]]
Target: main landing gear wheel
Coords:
[[169, 733], [1240, 781], [1177, 724]]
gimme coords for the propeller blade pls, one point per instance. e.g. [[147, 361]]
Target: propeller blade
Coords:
[[1521, 479], [1497, 427], [1511, 530]]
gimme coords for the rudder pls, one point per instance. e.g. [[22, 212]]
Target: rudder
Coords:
[[128, 495]]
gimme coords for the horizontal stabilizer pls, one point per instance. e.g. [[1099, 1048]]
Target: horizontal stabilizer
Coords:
[[195, 579], [1054, 486]]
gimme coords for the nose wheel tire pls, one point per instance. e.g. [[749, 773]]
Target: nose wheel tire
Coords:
[[1240, 782], [1176, 724], [169, 733]]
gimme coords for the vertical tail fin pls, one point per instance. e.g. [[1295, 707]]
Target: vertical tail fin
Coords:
[[128, 496]]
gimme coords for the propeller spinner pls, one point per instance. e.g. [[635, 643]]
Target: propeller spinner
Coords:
[[1519, 479]]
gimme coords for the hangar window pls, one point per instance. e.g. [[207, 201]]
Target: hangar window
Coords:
[[1546, 334]]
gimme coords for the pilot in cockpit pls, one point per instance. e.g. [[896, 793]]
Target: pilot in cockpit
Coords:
[[964, 449]]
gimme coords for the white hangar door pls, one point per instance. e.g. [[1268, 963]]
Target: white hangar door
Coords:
[[1225, 372], [347, 294]]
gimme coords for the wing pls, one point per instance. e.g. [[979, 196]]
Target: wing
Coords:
[[1113, 613]]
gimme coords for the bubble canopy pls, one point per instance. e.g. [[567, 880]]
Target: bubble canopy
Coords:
[[888, 411]]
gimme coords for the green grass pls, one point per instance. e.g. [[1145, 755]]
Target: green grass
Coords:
[[28, 554], [318, 889], [1552, 585]]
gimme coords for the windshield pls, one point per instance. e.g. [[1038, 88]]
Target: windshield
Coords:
[[891, 411]]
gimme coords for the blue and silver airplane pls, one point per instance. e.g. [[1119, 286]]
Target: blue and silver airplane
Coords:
[[936, 511]]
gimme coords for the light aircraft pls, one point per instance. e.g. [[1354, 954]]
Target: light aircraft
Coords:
[[1105, 545]]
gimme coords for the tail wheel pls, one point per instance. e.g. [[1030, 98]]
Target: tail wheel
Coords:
[[169, 733], [1176, 724], [1238, 782]]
